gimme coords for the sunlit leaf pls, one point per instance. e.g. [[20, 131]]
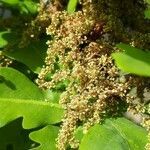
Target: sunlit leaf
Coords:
[[46, 137], [133, 60], [34, 113], [10, 2], [72, 6], [25, 6], [14, 84], [28, 7], [117, 134], [16, 101]]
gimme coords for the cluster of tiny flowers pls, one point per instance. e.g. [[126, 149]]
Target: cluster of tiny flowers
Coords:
[[67, 31], [94, 82], [95, 87], [4, 61]]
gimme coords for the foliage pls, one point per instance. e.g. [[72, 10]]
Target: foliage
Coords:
[[48, 143], [147, 11], [116, 133], [72, 6], [17, 85], [25, 6], [133, 60], [28, 99], [59, 87], [32, 56]]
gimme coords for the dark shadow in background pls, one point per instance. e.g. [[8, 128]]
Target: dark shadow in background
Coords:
[[14, 137]]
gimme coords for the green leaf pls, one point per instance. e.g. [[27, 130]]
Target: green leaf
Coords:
[[10, 2], [28, 6], [31, 6], [33, 56], [6, 37], [133, 60], [119, 134], [25, 6], [14, 84], [16, 101], [46, 137], [72, 6], [147, 13], [34, 113], [3, 42]]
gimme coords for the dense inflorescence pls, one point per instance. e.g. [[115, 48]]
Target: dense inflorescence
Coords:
[[79, 56], [4, 61]]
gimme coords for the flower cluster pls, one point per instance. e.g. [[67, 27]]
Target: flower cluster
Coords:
[[80, 53], [4, 61]]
